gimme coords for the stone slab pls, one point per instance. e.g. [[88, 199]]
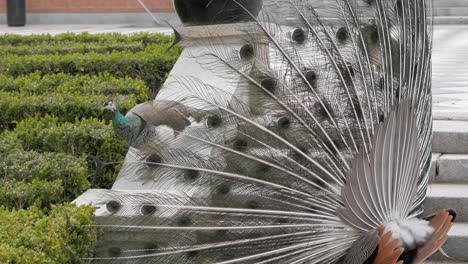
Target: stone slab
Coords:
[[451, 20], [445, 196], [442, 262], [452, 168], [450, 3], [456, 246], [451, 11], [450, 137], [447, 114]]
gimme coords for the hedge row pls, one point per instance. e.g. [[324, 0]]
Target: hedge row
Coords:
[[145, 38], [8, 144], [66, 48], [103, 83], [23, 166], [87, 137], [35, 236], [23, 194], [67, 106], [151, 65]]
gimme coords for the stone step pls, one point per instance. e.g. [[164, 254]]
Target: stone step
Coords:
[[450, 3], [449, 168], [452, 11], [442, 262], [444, 196], [455, 247], [451, 20], [450, 136], [453, 196]]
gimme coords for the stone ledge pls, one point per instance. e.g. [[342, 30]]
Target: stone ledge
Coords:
[[451, 20], [455, 246], [450, 137], [445, 196], [450, 3], [452, 168], [451, 11]]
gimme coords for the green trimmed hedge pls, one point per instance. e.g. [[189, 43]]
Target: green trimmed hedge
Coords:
[[67, 106], [7, 145], [23, 194], [34, 236], [70, 47], [145, 38], [151, 65], [103, 83], [51, 94], [26, 166], [82, 138]]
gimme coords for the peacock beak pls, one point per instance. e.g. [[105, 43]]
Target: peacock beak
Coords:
[[103, 106]]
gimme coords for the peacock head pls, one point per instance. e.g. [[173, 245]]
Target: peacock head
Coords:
[[109, 105]]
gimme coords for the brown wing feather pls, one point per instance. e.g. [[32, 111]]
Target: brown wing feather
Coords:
[[172, 114]]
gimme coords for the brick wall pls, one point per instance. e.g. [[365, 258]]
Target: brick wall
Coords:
[[93, 6]]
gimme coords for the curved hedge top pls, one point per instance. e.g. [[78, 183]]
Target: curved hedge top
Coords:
[[102, 83], [145, 38], [39, 237], [151, 65]]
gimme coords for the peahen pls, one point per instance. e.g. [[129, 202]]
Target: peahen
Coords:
[[321, 155]]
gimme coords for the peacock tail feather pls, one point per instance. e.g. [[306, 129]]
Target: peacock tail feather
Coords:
[[326, 137]]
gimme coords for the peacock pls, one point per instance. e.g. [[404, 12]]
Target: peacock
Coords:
[[320, 155], [149, 121]]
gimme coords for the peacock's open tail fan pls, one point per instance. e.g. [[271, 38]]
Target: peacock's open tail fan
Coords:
[[326, 138]]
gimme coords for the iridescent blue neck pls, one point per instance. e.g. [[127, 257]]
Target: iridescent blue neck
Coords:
[[119, 119]]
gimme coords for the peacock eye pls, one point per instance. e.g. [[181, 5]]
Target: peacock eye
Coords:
[[269, 84], [298, 36], [148, 209], [184, 221], [151, 247], [114, 251], [214, 121], [342, 34], [246, 51], [284, 123], [113, 206], [223, 189]]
